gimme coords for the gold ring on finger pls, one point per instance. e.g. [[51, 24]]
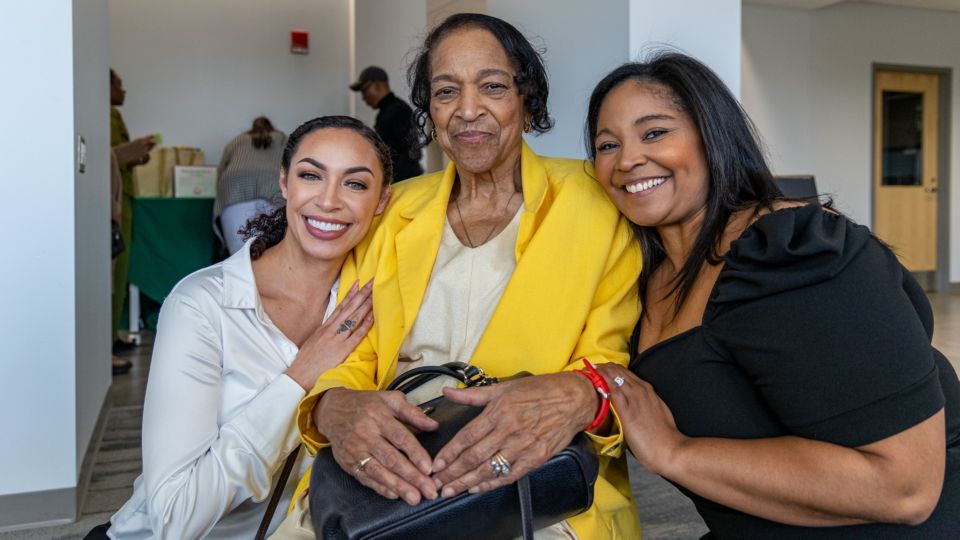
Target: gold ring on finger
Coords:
[[361, 464]]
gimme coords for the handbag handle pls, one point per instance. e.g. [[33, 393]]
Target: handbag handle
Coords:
[[406, 382], [471, 376], [467, 374], [276, 494]]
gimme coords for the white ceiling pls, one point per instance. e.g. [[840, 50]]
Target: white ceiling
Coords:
[[948, 5]]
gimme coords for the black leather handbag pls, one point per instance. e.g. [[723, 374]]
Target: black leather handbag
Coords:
[[343, 509]]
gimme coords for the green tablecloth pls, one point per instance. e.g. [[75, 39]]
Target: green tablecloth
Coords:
[[171, 238]]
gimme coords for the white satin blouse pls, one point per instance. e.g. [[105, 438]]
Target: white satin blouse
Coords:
[[218, 419]]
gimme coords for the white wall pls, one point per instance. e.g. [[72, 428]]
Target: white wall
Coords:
[[200, 72], [91, 116], [776, 87], [388, 33], [827, 55], [37, 316], [708, 30], [583, 41]]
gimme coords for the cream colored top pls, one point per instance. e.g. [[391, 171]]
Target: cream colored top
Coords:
[[464, 289]]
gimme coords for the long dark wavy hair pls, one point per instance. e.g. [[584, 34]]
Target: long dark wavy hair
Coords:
[[739, 175], [262, 132], [531, 77], [269, 229]]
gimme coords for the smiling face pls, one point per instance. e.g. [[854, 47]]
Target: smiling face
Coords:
[[333, 189], [649, 156], [475, 104]]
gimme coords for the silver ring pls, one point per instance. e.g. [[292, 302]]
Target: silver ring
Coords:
[[346, 326], [618, 380], [500, 465], [361, 464]]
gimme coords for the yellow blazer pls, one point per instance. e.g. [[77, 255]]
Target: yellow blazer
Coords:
[[572, 295]]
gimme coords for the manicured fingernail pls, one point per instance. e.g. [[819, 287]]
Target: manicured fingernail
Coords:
[[432, 495], [356, 286], [369, 285], [411, 499], [448, 491], [439, 465]]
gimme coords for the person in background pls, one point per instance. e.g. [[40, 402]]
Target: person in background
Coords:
[[129, 154], [781, 374], [240, 342], [394, 123], [118, 365], [247, 180]]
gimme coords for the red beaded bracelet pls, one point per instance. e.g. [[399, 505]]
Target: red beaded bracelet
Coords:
[[600, 385]]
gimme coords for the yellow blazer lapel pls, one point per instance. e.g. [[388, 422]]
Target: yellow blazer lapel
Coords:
[[417, 245], [535, 194]]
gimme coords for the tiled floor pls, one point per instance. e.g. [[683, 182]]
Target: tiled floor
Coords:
[[664, 513], [946, 330]]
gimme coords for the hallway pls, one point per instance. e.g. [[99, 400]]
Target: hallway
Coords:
[[664, 513]]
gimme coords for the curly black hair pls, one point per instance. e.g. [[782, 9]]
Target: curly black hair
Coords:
[[269, 229], [531, 77]]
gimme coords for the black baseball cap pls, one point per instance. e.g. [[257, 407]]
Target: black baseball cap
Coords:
[[369, 74]]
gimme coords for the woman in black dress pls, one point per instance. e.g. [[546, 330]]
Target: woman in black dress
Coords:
[[782, 374]]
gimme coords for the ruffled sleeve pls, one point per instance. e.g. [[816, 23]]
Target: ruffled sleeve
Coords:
[[788, 249], [814, 310]]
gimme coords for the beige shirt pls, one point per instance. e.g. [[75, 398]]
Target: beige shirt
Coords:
[[464, 290]]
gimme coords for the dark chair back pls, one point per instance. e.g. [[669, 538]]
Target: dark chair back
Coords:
[[802, 187]]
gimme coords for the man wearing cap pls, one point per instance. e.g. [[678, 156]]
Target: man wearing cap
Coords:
[[394, 122]]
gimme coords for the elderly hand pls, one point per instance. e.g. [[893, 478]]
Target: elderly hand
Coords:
[[647, 422], [526, 421], [336, 338], [370, 442]]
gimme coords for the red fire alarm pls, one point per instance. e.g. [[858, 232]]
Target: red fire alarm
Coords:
[[299, 42]]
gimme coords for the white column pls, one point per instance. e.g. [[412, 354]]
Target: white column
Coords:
[[54, 279], [708, 30]]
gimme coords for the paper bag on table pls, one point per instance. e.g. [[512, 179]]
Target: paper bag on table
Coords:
[[155, 179]]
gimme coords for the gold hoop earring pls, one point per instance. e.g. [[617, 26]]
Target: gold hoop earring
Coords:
[[433, 133], [527, 127]]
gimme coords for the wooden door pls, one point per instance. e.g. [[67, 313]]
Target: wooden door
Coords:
[[906, 106]]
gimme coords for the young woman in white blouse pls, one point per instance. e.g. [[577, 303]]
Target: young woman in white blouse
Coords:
[[240, 343]]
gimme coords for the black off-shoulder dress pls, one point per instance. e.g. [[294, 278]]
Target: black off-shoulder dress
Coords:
[[813, 329]]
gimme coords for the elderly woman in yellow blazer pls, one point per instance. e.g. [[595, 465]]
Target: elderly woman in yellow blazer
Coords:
[[506, 260]]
